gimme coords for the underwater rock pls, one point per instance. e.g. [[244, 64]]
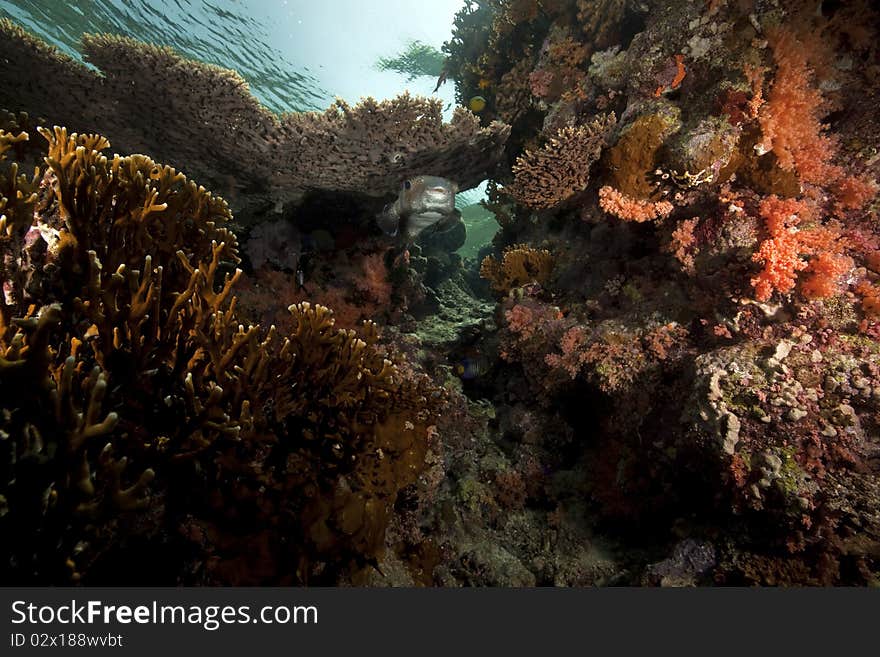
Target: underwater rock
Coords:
[[688, 564], [276, 243]]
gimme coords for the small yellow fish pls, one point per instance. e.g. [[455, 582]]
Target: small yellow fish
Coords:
[[477, 104]]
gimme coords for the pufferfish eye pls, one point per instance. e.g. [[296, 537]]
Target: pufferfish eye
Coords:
[[407, 184]]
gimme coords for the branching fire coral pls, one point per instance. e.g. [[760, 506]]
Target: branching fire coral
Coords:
[[128, 383]]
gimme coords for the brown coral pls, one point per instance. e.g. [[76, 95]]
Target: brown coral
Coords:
[[600, 20], [548, 177], [634, 155], [514, 89]]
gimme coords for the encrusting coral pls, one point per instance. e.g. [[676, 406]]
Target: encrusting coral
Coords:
[[137, 410]]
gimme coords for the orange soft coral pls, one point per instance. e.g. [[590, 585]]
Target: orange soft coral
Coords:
[[683, 243], [785, 252], [826, 271], [781, 261], [870, 298], [790, 119], [853, 193], [780, 254]]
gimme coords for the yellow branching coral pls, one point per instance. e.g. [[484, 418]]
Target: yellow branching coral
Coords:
[[155, 208], [17, 199], [520, 265], [547, 177]]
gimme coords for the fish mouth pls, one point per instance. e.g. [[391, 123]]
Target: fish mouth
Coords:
[[429, 215]]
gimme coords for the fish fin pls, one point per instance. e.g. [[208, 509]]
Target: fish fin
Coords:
[[448, 223]]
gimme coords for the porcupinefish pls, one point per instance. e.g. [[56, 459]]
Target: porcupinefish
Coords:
[[423, 202]]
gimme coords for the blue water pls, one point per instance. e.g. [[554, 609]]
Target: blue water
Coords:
[[220, 32]]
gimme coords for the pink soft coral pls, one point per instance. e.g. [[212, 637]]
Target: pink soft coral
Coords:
[[540, 82], [629, 209], [574, 355], [522, 321]]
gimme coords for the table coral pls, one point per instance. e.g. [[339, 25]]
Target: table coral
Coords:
[[135, 99], [387, 141]]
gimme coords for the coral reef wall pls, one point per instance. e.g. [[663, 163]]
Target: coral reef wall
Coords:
[[679, 383], [708, 333]]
